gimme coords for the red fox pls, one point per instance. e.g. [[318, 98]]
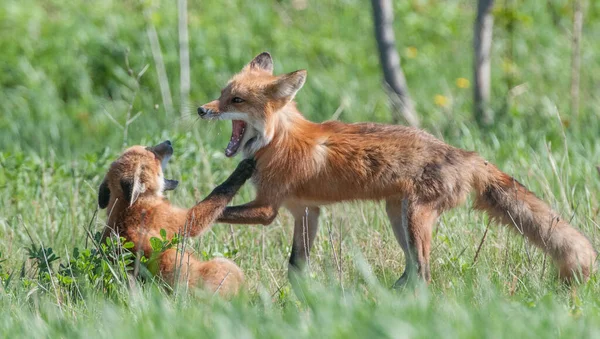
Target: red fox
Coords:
[[302, 165], [133, 192]]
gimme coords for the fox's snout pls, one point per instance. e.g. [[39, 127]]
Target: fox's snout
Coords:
[[204, 111], [210, 109]]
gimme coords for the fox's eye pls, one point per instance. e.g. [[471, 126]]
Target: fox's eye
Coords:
[[237, 100]]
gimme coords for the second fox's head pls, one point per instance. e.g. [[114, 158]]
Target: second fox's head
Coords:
[[137, 173], [255, 101]]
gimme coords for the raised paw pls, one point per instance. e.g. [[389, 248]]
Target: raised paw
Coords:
[[243, 172], [245, 169]]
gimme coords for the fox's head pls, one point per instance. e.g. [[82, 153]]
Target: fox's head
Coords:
[[137, 173], [255, 101]]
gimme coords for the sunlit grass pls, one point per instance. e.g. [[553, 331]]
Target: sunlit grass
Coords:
[[65, 91]]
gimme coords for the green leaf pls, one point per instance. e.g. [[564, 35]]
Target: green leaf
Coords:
[[156, 244]]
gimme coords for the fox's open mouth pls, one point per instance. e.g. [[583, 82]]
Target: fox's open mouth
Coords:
[[237, 135]]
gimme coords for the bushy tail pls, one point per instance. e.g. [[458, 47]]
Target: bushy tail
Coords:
[[509, 202]]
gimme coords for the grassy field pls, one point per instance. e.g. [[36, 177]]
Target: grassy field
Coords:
[[65, 92]]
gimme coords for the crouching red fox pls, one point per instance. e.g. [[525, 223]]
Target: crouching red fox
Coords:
[[132, 192], [302, 165]]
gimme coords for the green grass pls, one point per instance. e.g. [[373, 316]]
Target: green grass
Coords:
[[64, 78]]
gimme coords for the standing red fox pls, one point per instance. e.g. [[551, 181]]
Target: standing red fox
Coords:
[[132, 192], [302, 165]]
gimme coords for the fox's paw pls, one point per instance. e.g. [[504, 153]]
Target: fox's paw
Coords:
[[243, 172], [245, 169]]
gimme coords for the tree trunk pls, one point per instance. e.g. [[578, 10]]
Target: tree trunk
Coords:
[[576, 56], [161, 70], [383, 16], [482, 44], [184, 56]]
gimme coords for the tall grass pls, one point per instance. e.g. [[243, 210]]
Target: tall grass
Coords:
[[66, 87]]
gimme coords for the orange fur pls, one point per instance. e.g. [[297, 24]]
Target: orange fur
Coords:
[[132, 192], [302, 165]]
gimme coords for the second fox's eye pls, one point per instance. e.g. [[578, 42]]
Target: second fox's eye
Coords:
[[237, 100]]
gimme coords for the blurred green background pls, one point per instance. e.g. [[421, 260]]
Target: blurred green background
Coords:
[[63, 68]]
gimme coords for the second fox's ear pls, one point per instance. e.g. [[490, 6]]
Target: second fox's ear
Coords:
[[263, 61], [103, 194], [132, 187], [287, 85]]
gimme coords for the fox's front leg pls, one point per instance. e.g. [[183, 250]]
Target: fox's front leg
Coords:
[[254, 212], [306, 225], [205, 212]]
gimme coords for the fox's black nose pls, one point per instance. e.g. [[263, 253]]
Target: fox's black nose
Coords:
[[202, 111]]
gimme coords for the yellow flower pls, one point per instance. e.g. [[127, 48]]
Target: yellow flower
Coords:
[[508, 66], [462, 83], [440, 100], [156, 18], [411, 52]]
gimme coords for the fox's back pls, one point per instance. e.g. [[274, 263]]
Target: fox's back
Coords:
[[375, 161]]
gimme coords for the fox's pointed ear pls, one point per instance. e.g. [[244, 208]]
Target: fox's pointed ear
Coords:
[[132, 187], [263, 61], [103, 194], [287, 85]]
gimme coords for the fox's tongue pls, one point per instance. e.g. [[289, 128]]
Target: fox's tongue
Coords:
[[237, 134]]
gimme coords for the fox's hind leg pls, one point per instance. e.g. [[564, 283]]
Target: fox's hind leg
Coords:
[[218, 275], [306, 224], [412, 224]]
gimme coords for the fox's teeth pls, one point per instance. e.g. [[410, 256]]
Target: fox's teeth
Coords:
[[237, 135]]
